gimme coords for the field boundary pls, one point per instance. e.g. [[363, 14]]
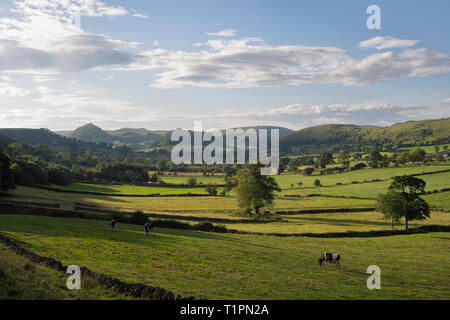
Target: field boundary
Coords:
[[136, 290]]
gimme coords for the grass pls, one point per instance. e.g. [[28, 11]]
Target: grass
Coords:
[[183, 179], [132, 190], [20, 279], [285, 180], [231, 266], [219, 207], [372, 189]]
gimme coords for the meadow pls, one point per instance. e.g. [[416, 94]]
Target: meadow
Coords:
[[133, 190], [231, 266], [255, 264]]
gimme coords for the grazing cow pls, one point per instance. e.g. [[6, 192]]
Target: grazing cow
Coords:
[[330, 257], [148, 227], [113, 224]]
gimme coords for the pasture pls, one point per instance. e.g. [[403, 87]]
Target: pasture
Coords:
[[255, 264], [231, 266]]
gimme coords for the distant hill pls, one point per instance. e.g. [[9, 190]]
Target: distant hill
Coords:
[[134, 138], [166, 143], [35, 137], [337, 137]]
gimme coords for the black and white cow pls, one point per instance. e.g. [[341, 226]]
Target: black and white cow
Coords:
[[113, 224], [330, 257], [148, 227]]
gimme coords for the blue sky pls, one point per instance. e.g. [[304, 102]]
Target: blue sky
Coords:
[[164, 64]]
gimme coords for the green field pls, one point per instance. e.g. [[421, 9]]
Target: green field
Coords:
[[202, 180], [230, 266], [20, 279], [211, 265], [133, 190], [285, 180]]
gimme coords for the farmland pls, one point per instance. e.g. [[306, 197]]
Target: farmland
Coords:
[[255, 263], [226, 266]]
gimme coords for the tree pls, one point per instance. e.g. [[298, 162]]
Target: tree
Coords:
[[308, 171], [154, 178], [374, 158], [411, 207], [392, 205], [437, 148], [324, 159], [212, 191], [317, 183], [192, 181], [344, 158], [417, 155], [255, 191], [6, 174]]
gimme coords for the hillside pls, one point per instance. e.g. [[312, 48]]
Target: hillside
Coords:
[[136, 139], [337, 137], [35, 137]]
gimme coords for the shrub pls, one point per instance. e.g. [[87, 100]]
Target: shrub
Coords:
[[192, 181], [138, 217], [212, 191], [317, 183]]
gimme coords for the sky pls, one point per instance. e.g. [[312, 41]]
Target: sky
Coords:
[[165, 64]]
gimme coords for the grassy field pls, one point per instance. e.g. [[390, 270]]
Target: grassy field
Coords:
[[203, 180], [371, 189], [230, 266], [201, 206], [20, 279], [132, 190], [285, 180]]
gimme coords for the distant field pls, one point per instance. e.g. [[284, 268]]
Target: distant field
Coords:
[[132, 190], [428, 149], [231, 266], [204, 180], [199, 206], [372, 189], [285, 180]]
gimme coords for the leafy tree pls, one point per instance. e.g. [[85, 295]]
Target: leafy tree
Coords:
[[437, 148], [412, 207], [192, 181], [317, 183], [344, 158], [374, 158], [392, 205], [309, 171], [58, 174], [324, 159], [255, 191], [154, 177], [212, 191], [6, 174], [417, 155]]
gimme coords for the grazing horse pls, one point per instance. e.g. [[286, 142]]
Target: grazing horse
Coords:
[[148, 227], [330, 257], [113, 224]]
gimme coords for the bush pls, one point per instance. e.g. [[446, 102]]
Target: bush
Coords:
[[359, 166], [308, 171], [191, 181], [212, 191], [317, 183], [138, 217]]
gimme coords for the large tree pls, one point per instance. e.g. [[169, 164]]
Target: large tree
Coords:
[[403, 200], [6, 175], [255, 191]]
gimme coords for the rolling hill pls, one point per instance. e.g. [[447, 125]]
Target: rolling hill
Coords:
[[337, 137], [136, 139]]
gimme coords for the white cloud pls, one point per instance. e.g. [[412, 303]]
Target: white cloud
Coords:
[[8, 91], [156, 43], [381, 43], [252, 63], [42, 39], [223, 33]]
